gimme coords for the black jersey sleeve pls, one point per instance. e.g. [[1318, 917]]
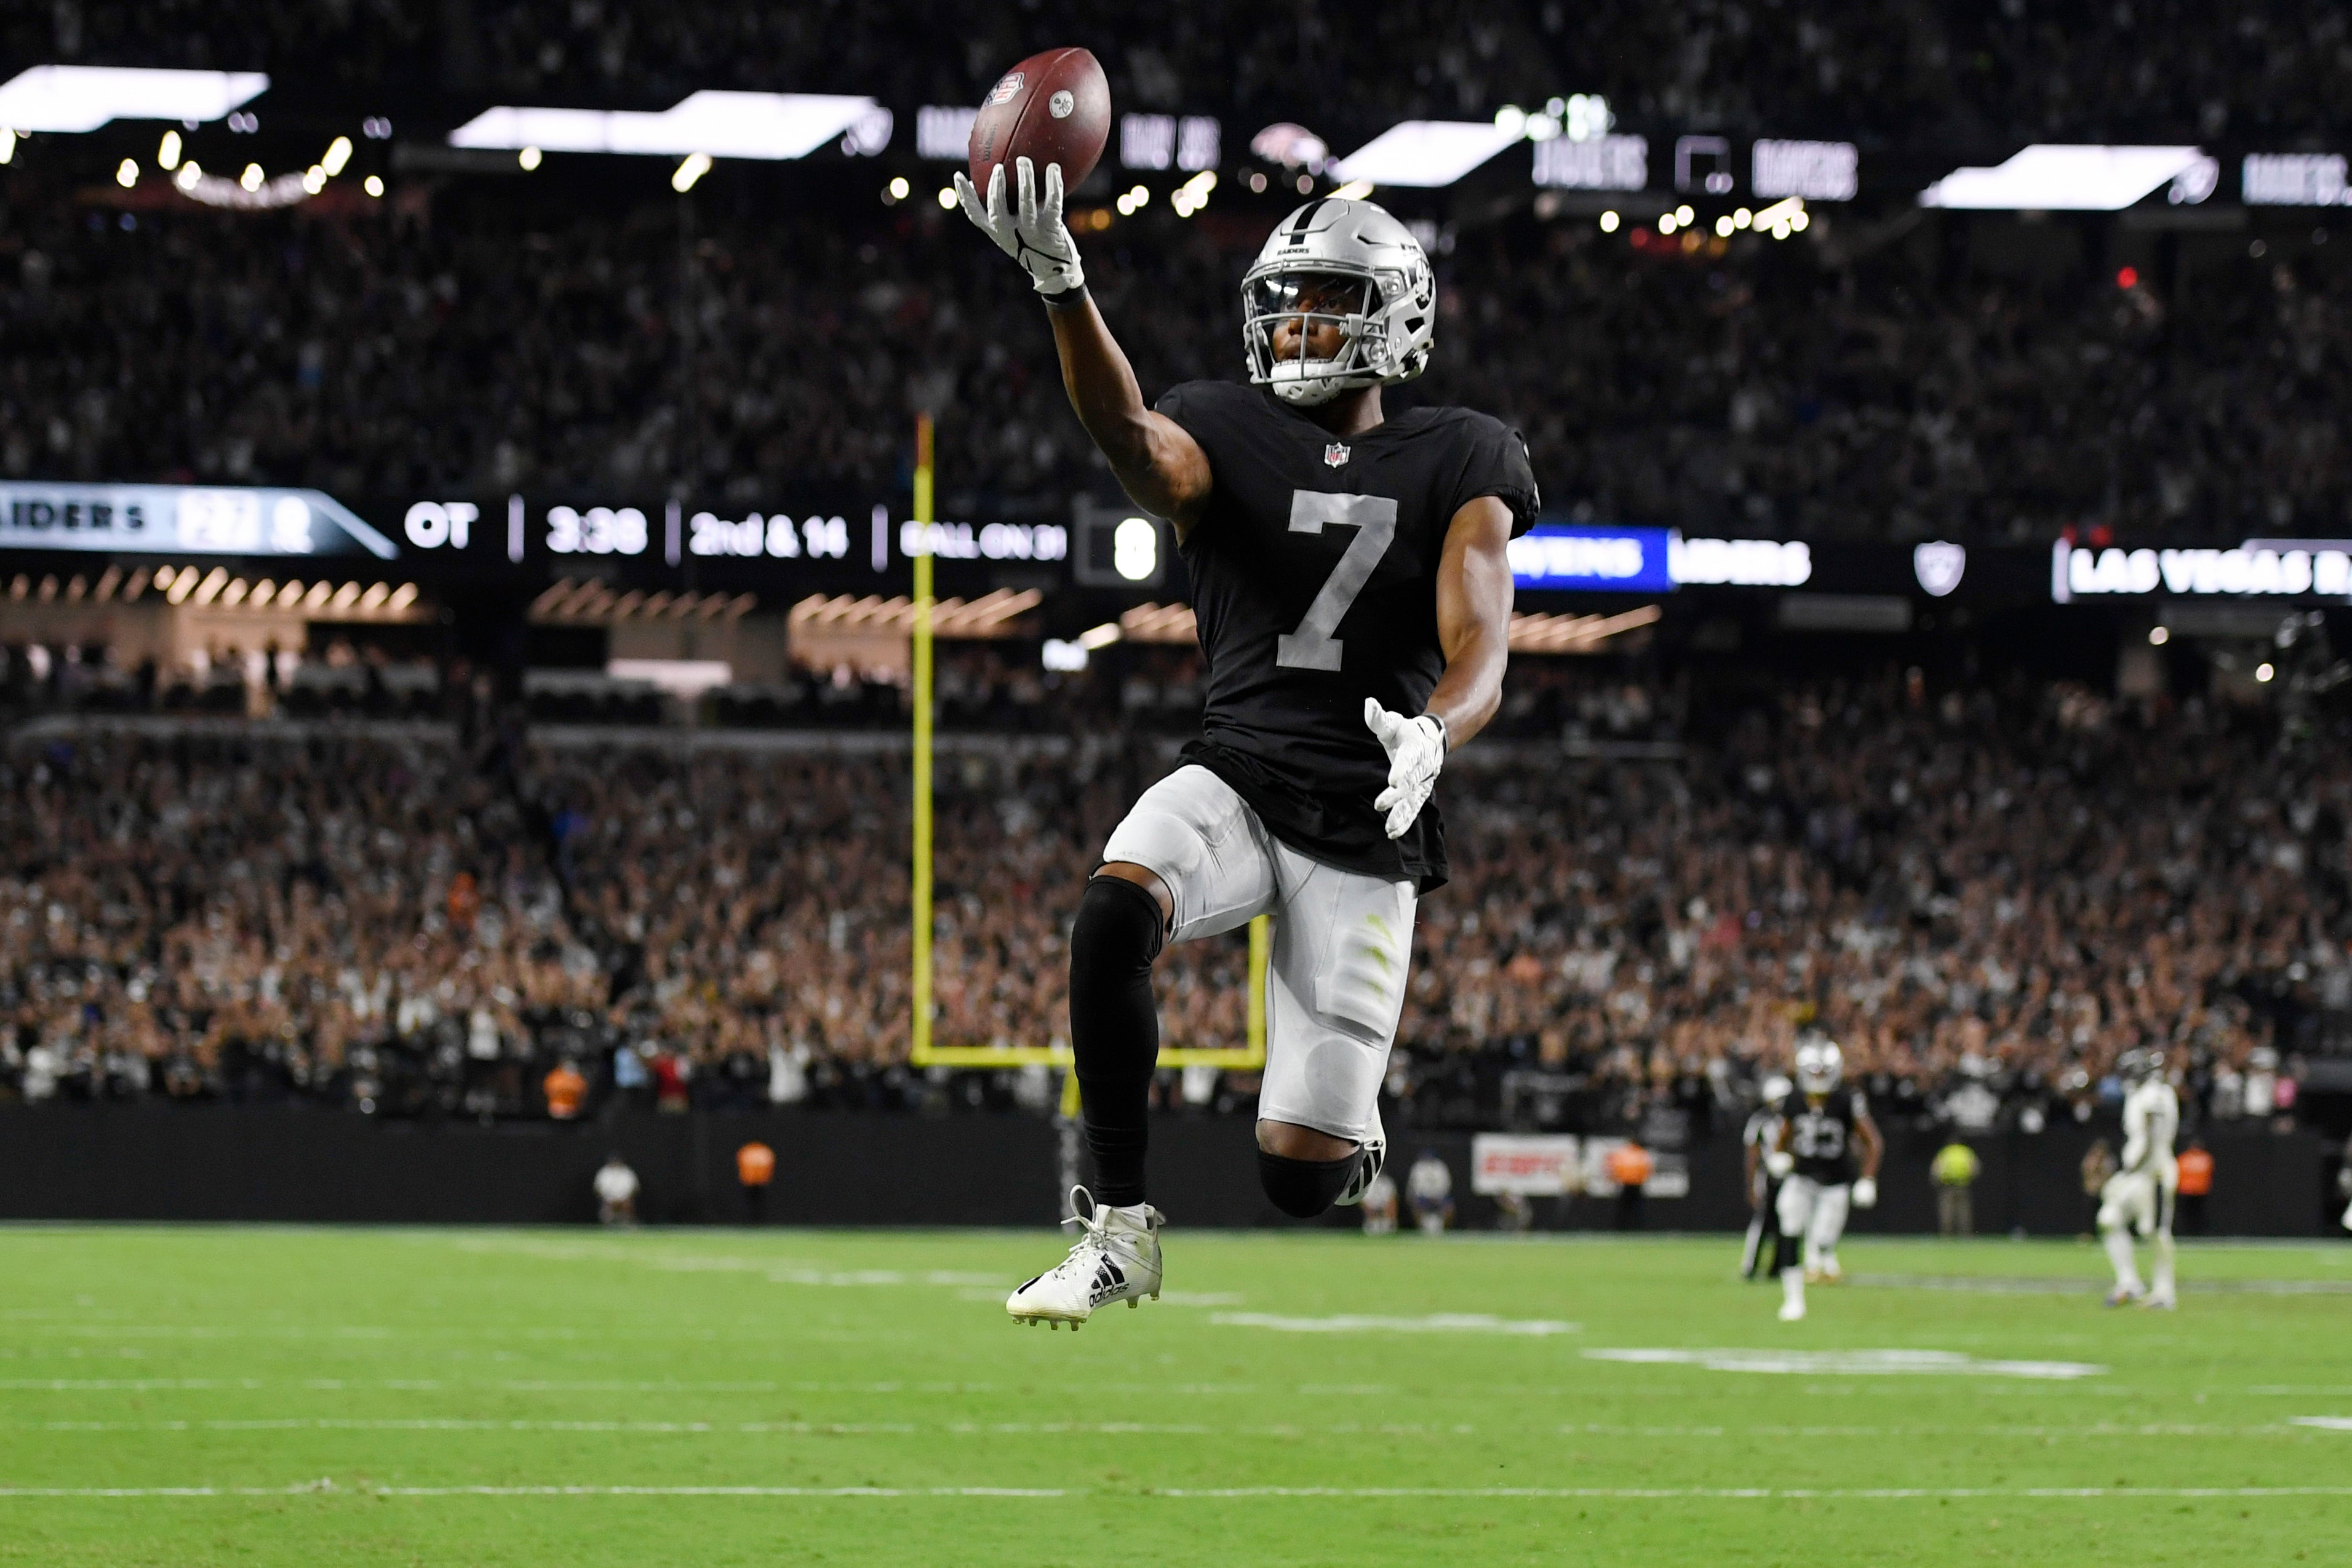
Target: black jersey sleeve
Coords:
[[1495, 463]]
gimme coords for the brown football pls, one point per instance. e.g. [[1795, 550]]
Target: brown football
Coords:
[[1052, 108]]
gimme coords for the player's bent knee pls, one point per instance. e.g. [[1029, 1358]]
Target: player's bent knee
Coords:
[[1118, 927], [1304, 1188]]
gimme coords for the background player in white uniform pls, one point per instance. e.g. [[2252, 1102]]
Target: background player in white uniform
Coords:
[[1353, 590], [2138, 1198], [1758, 1139], [1825, 1138]]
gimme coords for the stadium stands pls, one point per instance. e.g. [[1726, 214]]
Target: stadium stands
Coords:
[[1988, 896], [1804, 390]]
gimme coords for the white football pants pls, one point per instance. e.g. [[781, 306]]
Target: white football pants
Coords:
[[1814, 1213], [2136, 1203], [1342, 943]]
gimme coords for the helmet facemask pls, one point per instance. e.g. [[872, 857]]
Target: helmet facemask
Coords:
[[1302, 303]]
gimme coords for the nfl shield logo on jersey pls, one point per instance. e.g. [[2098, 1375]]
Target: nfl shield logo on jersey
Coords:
[[1336, 455], [1938, 567]]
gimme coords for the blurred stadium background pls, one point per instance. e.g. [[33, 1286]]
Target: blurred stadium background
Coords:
[[457, 524]]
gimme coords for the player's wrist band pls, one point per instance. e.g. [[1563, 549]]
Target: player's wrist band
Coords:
[[1073, 294], [1445, 736]]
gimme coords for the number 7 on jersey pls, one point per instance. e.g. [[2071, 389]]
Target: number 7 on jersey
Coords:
[[1314, 646]]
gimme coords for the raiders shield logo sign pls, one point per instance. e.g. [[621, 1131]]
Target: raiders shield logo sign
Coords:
[[1336, 455], [1938, 567]]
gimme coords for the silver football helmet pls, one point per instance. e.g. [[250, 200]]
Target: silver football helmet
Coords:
[[1820, 1064], [1386, 334]]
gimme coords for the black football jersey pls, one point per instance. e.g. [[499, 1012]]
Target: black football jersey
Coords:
[[1821, 1136], [1313, 571]]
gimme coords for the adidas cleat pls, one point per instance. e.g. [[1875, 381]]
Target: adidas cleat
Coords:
[[1115, 1258], [1368, 1169]]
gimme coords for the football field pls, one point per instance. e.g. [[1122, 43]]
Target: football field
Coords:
[[319, 1397]]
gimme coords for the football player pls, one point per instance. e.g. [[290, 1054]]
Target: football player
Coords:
[[1756, 1140], [1825, 1138], [1353, 594], [2138, 1198]]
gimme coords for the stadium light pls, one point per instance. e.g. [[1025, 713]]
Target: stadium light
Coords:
[[1609, 222], [2157, 636], [2264, 673], [71, 99], [339, 152], [696, 166], [372, 185], [314, 179], [1428, 153], [765, 125], [7, 146], [528, 158], [126, 174], [2049, 177], [947, 198], [252, 177], [1353, 190], [167, 152]]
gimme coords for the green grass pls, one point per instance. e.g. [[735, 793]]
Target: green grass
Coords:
[[388, 1371]]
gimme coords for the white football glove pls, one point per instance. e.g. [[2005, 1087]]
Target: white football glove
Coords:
[[1780, 1162], [1865, 1193], [1033, 232], [1416, 748]]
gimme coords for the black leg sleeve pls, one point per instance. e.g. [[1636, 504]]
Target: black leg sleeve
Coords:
[[1115, 1028]]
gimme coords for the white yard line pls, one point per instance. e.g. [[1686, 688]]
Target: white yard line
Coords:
[[1563, 1494], [1145, 1428]]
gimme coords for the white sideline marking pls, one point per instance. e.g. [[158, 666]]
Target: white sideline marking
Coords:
[[1852, 1362], [1564, 1494], [1435, 1323], [1142, 1429]]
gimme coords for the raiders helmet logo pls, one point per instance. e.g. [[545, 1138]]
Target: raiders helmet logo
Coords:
[[1012, 83], [1336, 455], [1938, 567]]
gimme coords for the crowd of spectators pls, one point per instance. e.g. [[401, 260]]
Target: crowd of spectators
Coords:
[[2022, 69], [521, 340], [1985, 896]]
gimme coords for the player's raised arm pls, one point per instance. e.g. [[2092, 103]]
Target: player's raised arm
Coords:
[[1159, 466]]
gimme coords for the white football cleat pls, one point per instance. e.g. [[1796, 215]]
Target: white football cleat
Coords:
[[1368, 1169], [2126, 1295], [1115, 1258], [1793, 1312], [2160, 1300]]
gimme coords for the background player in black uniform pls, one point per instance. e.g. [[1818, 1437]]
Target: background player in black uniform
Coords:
[[1353, 591], [1758, 1139], [1825, 1138]]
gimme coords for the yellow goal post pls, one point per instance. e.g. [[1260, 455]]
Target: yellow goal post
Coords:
[[925, 1051]]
